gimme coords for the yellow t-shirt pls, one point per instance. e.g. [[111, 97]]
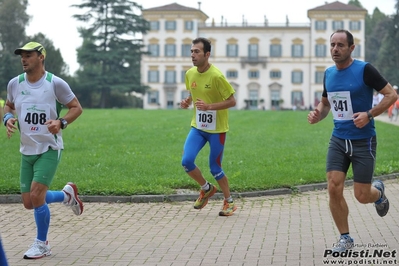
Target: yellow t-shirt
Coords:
[[211, 87]]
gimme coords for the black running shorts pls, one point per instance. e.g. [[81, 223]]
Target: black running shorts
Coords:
[[360, 152]]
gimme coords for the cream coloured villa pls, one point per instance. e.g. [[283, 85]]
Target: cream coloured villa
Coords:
[[271, 66]]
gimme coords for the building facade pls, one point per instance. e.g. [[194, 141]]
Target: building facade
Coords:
[[270, 66]]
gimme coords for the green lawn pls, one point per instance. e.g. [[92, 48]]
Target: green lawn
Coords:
[[132, 152]]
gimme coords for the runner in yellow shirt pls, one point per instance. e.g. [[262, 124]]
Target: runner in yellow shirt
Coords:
[[211, 95]]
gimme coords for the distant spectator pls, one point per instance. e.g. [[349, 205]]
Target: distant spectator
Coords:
[[2, 102], [380, 97], [376, 99]]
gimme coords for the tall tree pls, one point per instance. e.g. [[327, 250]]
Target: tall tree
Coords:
[[374, 31], [372, 20], [13, 20], [388, 55], [355, 3], [374, 39], [54, 61], [111, 52]]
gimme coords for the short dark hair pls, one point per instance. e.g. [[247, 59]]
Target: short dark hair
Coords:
[[349, 36], [205, 42]]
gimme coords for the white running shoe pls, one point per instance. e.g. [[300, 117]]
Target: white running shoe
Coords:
[[37, 250], [74, 202]]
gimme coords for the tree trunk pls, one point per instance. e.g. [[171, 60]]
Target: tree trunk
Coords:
[[104, 100]]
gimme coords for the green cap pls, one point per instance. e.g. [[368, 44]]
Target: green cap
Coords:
[[31, 46]]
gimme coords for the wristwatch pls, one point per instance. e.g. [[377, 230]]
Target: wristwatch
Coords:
[[369, 115], [64, 123]]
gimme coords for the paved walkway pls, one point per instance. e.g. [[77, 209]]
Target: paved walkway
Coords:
[[271, 230], [384, 118], [265, 230]]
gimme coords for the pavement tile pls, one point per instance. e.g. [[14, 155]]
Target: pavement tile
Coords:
[[265, 230]]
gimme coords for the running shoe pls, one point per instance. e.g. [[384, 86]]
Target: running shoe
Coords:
[[381, 205], [344, 243], [73, 201], [204, 197], [228, 208], [37, 250]]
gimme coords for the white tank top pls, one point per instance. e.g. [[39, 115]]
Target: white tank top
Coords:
[[35, 103]]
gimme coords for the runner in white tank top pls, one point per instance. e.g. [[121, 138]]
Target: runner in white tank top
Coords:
[[33, 105]]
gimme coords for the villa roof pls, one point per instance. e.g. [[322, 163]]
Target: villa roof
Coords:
[[172, 7], [337, 6]]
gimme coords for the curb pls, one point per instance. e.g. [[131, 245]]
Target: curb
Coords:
[[16, 198]]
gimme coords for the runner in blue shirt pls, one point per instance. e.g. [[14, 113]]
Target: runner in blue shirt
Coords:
[[348, 93]]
